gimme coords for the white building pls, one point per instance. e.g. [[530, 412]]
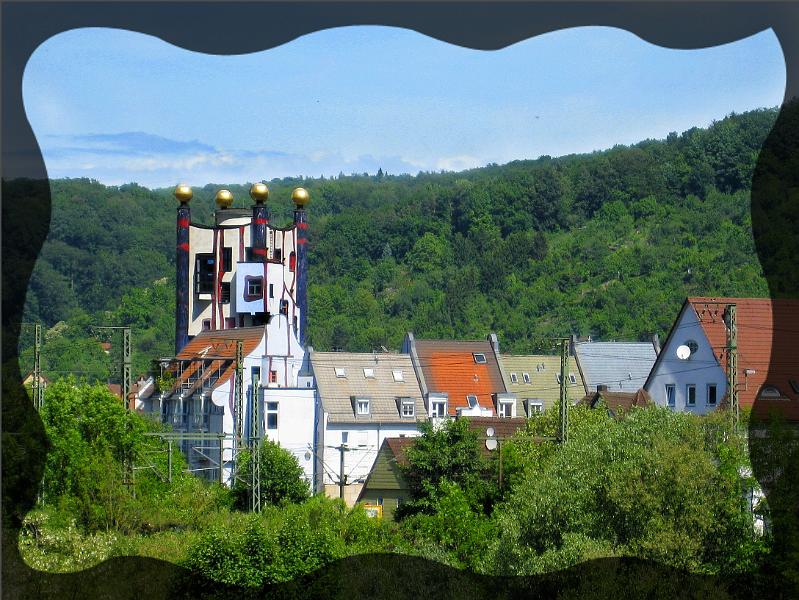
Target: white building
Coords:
[[364, 398]]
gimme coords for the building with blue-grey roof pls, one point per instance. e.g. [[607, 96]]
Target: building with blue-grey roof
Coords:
[[621, 366]]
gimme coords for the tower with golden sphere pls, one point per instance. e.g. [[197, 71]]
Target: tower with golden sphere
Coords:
[[241, 271]]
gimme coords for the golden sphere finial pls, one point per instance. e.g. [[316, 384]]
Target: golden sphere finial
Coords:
[[183, 193], [300, 197], [259, 192], [224, 198]]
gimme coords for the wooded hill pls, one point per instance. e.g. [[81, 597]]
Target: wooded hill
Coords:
[[607, 244]]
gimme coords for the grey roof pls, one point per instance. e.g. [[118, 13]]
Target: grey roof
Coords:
[[622, 366], [337, 393]]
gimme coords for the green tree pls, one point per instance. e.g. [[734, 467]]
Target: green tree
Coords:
[[282, 477]]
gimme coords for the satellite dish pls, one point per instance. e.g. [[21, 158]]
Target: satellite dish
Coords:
[[683, 352], [490, 432], [491, 444]]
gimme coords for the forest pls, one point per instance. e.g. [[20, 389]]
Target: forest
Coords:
[[606, 244]]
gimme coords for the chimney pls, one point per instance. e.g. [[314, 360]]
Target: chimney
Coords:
[[183, 194], [656, 343], [300, 198], [492, 337]]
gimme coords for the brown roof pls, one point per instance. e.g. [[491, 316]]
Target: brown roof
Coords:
[[618, 400], [398, 447], [767, 336], [449, 366], [220, 346]]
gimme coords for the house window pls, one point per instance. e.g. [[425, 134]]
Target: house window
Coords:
[[526, 377], [253, 288], [408, 408], [271, 290], [362, 406], [345, 436], [472, 400], [206, 324], [278, 255], [506, 409], [711, 393], [769, 391], [292, 262], [227, 260], [534, 407], [670, 394], [479, 358], [340, 372], [690, 394], [513, 378], [369, 373], [271, 415], [224, 296], [438, 408], [272, 376], [572, 378], [284, 307], [398, 377], [204, 274], [230, 322]]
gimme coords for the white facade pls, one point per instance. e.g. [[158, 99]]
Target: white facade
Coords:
[[362, 441], [672, 378]]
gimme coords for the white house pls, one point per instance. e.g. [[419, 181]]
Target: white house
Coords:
[[364, 398]]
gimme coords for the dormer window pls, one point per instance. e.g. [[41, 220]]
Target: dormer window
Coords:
[[341, 372], [479, 358], [407, 408], [513, 378], [534, 406], [398, 376], [505, 408], [362, 406], [526, 377], [438, 408]]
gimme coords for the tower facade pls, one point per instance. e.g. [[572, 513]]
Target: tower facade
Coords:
[[241, 271]]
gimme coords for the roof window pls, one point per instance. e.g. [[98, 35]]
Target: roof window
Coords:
[[472, 400], [341, 372], [572, 378], [526, 377], [513, 378], [479, 358], [369, 373], [398, 376]]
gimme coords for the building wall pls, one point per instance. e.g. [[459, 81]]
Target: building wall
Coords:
[[295, 424], [364, 441], [700, 369]]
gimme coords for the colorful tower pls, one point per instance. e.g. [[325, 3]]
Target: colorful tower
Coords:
[[241, 271]]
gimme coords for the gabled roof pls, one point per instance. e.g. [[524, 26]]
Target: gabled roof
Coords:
[[618, 400], [767, 338], [449, 367], [622, 366], [543, 370], [398, 447], [337, 392]]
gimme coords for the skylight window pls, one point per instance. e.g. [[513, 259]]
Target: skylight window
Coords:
[[472, 400], [572, 378], [341, 372], [526, 377], [369, 373], [513, 378], [479, 358], [398, 376]]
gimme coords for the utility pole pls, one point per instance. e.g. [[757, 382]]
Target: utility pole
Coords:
[[238, 406], [499, 448], [732, 361], [255, 447], [125, 360], [564, 401], [342, 478], [38, 388]]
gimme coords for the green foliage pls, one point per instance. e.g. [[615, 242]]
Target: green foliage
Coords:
[[654, 484], [282, 477], [441, 456]]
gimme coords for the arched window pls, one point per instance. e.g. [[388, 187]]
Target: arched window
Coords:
[[770, 391], [292, 262]]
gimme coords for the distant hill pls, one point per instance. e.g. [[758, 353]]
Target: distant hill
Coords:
[[606, 244]]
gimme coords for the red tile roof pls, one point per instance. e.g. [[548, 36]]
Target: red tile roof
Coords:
[[449, 366], [768, 333], [220, 346]]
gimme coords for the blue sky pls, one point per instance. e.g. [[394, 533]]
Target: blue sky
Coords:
[[119, 106]]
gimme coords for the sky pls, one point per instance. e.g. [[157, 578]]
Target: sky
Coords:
[[119, 106]]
